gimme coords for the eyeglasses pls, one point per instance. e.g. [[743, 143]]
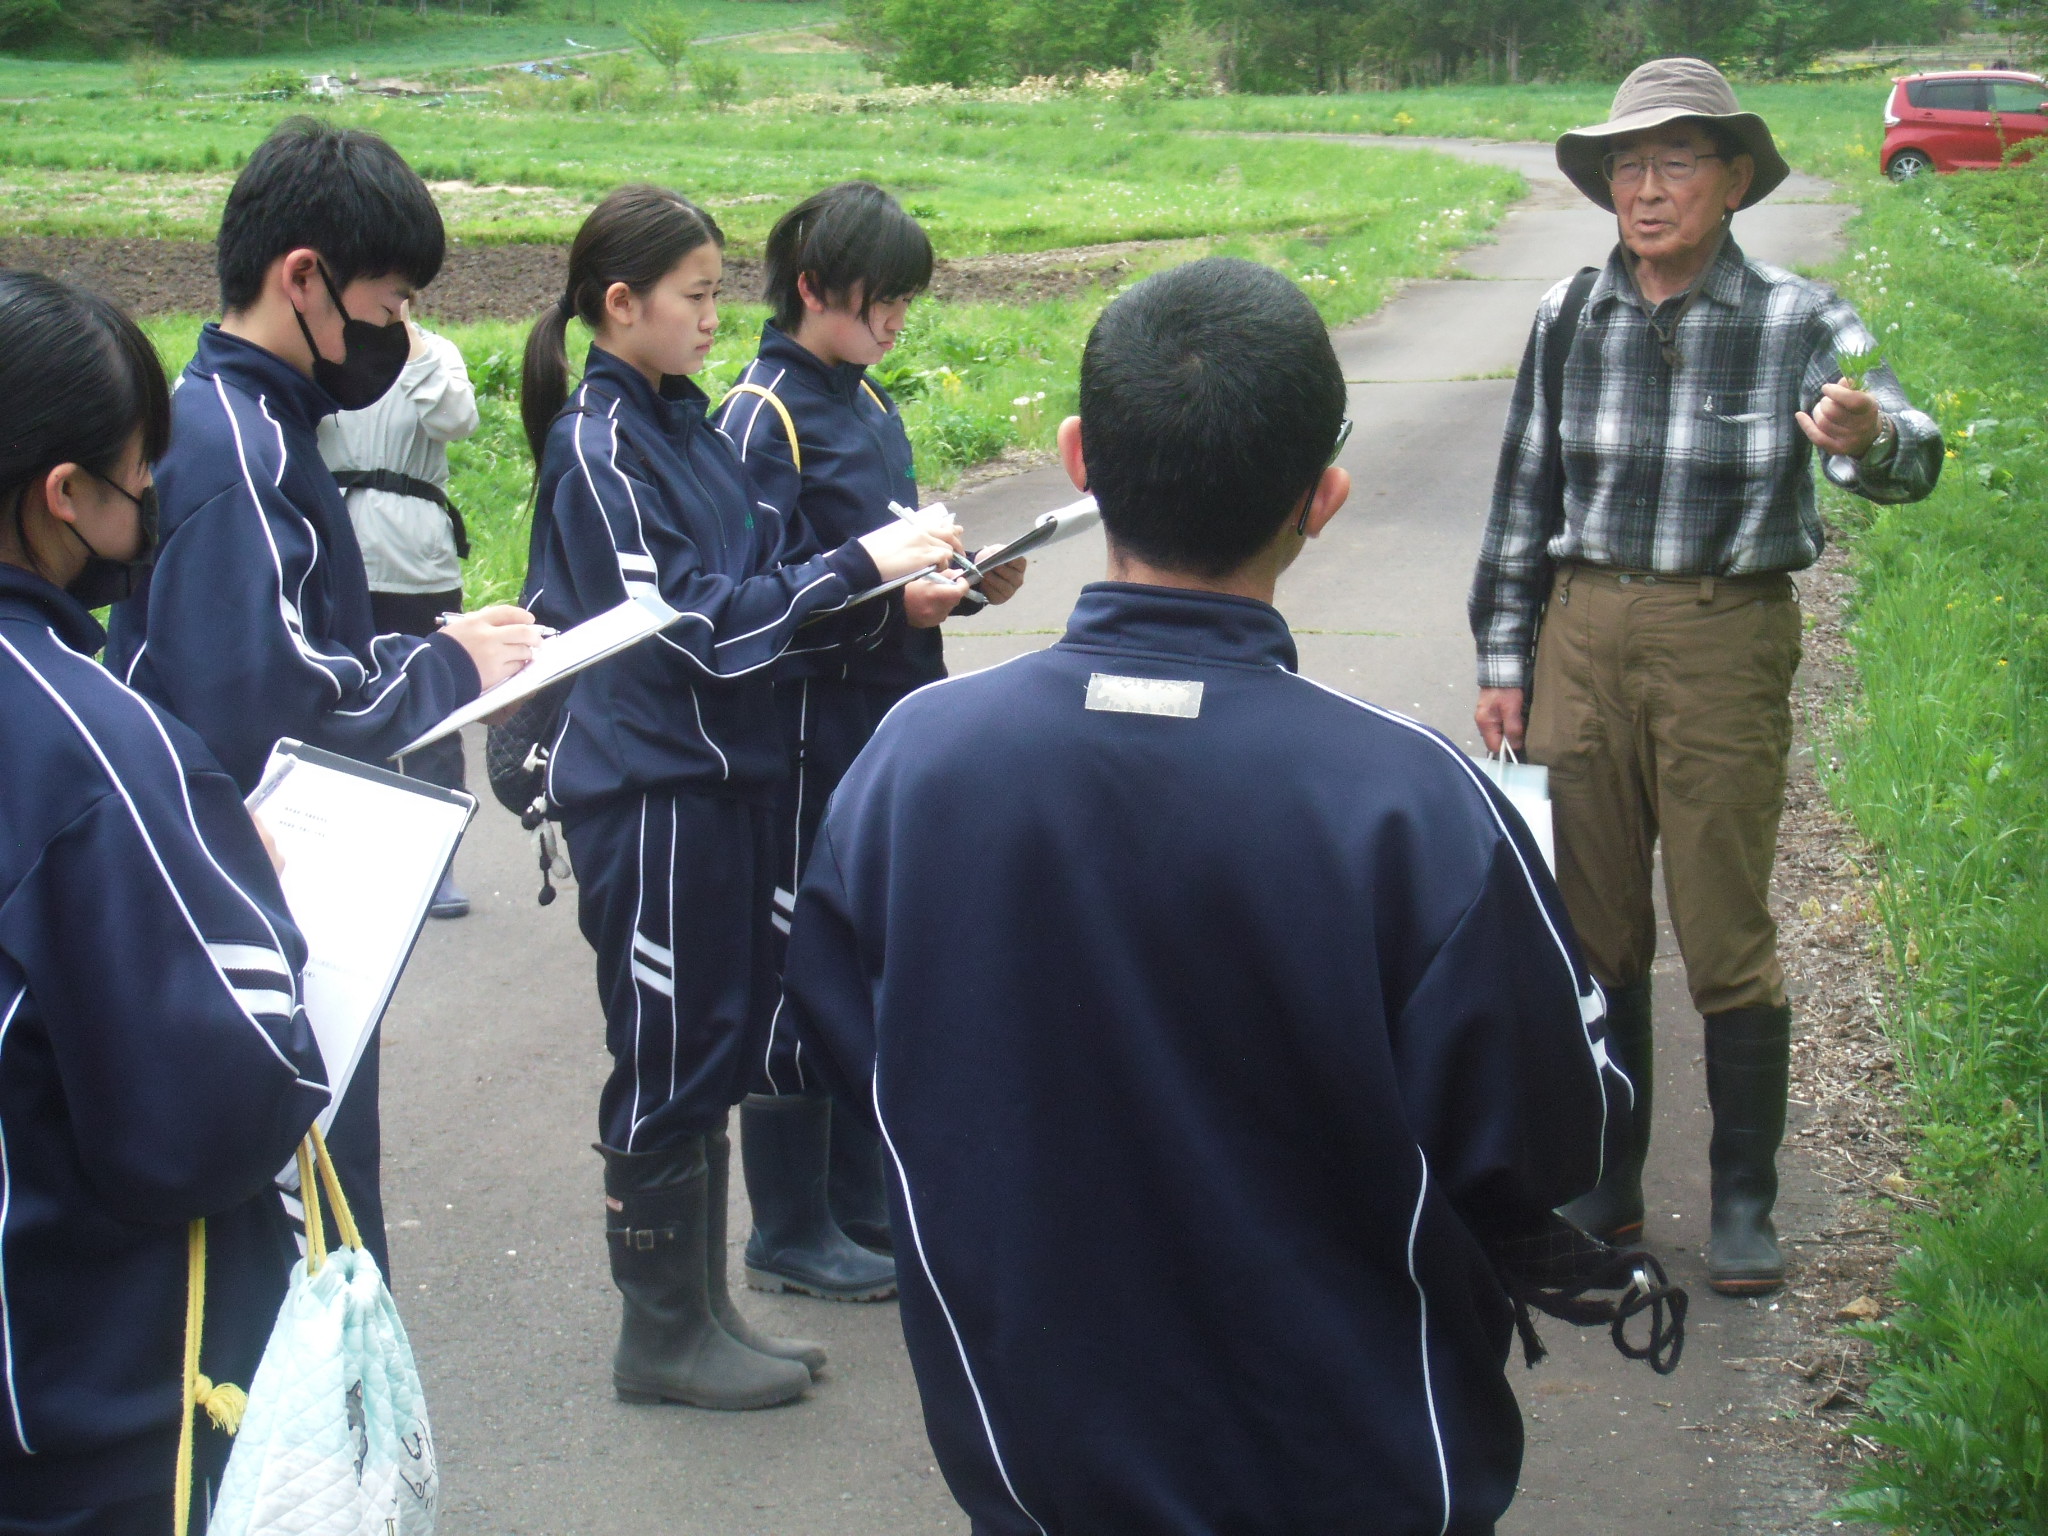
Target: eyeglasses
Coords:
[[1308, 501], [1672, 165]]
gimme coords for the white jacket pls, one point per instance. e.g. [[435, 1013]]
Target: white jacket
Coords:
[[408, 545]]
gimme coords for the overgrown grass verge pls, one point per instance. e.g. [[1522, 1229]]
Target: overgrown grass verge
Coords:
[[1942, 763]]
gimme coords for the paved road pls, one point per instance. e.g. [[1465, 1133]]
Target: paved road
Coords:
[[494, 1056]]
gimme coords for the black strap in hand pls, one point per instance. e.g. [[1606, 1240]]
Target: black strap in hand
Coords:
[[1554, 1268]]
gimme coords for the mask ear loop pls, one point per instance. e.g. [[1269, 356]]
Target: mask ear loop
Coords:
[[1308, 502]]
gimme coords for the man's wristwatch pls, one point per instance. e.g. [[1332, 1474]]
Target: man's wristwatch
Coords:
[[1880, 449]]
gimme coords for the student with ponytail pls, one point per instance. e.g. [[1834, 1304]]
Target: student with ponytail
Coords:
[[823, 443], [666, 768]]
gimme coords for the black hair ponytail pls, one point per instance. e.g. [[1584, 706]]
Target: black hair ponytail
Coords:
[[847, 235], [635, 236], [78, 379]]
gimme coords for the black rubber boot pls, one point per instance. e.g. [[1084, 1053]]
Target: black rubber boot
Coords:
[[671, 1349], [1613, 1210], [796, 1245], [856, 1190], [1749, 1054], [718, 1162]]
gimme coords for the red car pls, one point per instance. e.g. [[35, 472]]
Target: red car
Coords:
[[1960, 121]]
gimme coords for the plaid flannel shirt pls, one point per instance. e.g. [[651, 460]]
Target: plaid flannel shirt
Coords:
[[1689, 472]]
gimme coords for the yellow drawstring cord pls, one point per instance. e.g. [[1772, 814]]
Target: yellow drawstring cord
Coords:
[[225, 1403]]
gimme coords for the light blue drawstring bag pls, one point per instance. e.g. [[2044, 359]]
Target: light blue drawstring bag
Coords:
[[334, 1441]]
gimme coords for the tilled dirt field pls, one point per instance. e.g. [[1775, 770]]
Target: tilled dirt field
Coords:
[[511, 282]]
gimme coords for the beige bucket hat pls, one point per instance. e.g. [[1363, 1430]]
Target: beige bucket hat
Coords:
[[1660, 92]]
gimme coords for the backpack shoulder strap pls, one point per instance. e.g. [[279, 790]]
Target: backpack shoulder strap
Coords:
[[1557, 346], [796, 453], [1557, 342]]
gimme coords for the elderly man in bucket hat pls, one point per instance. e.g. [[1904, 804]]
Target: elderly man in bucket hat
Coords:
[[1632, 599]]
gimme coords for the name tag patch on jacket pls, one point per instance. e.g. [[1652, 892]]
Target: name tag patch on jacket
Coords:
[[1144, 695]]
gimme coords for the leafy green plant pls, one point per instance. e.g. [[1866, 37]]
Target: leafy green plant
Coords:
[[665, 36], [1854, 366], [279, 84], [716, 79], [150, 70], [614, 80], [1963, 1396]]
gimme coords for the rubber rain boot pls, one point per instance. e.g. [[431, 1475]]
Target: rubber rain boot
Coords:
[[796, 1245], [718, 1164], [1613, 1210], [857, 1189], [671, 1349], [1749, 1056]]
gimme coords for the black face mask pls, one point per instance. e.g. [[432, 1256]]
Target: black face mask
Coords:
[[372, 356], [105, 580]]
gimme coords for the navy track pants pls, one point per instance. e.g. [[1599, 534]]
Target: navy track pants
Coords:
[[825, 723], [673, 895]]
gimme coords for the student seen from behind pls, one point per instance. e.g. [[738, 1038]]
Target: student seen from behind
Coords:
[[824, 443], [156, 1065], [1275, 1015], [256, 623], [667, 765]]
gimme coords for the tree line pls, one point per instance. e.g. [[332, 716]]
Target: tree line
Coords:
[[1322, 45]]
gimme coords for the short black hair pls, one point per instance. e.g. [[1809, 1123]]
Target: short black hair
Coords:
[[340, 191], [1210, 400], [847, 235], [78, 379]]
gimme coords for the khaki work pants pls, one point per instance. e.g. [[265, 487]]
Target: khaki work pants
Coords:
[[1663, 709]]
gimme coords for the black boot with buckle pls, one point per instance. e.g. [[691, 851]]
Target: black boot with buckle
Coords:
[[1613, 1210], [1749, 1054], [671, 1348]]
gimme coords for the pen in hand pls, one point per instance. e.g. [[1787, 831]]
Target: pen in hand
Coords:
[[442, 620]]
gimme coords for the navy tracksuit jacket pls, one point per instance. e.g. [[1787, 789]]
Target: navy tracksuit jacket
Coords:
[[856, 461], [155, 1066], [1259, 1009], [670, 757], [255, 625]]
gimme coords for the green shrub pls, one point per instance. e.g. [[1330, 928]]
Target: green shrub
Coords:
[[716, 79], [279, 84], [1963, 1394]]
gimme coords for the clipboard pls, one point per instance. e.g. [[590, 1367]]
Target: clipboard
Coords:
[[559, 656], [363, 849], [1050, 528]]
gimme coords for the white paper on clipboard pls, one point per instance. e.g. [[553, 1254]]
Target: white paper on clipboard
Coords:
[[363, 849], [1050, 528], [596, 638]]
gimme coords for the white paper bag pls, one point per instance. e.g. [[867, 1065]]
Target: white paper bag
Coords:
[[1527, 788]]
